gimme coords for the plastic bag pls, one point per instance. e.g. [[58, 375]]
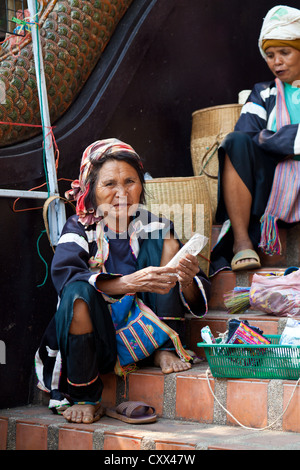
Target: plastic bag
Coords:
[[291, 333], [291, 337], [277, 295]]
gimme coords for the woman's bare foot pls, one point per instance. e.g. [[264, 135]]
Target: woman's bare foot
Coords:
[[85, 414], [169, 362]]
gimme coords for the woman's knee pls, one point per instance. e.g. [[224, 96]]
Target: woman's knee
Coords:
[[81, 321], [79, 306], [77, 296], [82, 289]]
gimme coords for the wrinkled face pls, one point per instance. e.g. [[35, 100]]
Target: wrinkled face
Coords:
[[118, 189], [284, 62]]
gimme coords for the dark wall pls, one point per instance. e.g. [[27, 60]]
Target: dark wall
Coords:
[[25, 308], [204, 53]]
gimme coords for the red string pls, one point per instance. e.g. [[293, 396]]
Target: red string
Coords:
[[56, 157], [32, 189], [30, 209], [39, 125], [25, 125]]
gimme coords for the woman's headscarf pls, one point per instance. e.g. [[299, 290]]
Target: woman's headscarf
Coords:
[[81, 187], [281, 27]]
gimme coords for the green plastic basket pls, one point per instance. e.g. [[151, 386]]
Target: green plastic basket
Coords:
[[271, 361]]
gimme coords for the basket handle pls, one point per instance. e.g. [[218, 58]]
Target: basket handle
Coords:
[[207, 157], [45, 214]]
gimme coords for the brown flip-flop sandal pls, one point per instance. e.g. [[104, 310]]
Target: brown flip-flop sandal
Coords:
[[239, 262], [133, 412]]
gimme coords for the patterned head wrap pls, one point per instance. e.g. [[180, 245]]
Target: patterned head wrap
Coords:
[[81, 187], [281, 27]]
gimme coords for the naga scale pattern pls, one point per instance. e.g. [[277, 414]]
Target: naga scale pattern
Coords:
[[74, 34]]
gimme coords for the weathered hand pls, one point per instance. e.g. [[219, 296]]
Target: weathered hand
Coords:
[[159, 280]]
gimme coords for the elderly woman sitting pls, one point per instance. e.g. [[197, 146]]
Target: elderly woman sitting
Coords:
[[259, 168], [119, 303]]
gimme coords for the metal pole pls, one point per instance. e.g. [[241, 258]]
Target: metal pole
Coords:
[[57, 214], [23, 194]]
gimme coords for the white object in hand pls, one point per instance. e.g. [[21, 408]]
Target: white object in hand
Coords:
[[193, 247]]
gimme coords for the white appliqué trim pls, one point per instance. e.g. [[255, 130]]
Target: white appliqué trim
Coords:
[[297, 142], [74, 238], [254, 108]]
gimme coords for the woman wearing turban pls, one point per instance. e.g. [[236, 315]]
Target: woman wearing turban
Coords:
[[259, 177], [118, 302]]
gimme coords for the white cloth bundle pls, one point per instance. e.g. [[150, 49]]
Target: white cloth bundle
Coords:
[[283, 23]]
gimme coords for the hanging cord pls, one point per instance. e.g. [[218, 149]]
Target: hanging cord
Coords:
[[41, 257], [242, 425]]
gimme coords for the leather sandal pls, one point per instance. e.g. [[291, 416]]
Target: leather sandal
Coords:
[[133, 412]]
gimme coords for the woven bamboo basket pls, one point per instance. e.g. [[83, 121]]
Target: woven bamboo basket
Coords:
[[209, 127], [185, 201]]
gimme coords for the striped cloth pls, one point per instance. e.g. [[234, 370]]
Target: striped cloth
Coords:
[[284, 199]]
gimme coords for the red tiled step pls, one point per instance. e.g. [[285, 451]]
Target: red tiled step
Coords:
[[35, 428], [186, 396]]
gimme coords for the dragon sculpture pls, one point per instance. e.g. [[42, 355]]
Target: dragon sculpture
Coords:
[[73, 34]]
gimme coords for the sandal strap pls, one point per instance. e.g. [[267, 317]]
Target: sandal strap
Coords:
[[127, 408], [246, 254]]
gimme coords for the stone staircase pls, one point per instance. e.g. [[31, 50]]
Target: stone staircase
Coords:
[[189, 415]]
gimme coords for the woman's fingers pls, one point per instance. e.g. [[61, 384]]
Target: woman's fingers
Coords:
[[187, 269], [155, 279], [161, 280], [189, 264]]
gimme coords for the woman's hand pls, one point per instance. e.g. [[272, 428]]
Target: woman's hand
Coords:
[[187, 269], [159, 280]]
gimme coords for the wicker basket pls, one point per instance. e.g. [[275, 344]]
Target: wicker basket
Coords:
[[209, 127], [186, 202]]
